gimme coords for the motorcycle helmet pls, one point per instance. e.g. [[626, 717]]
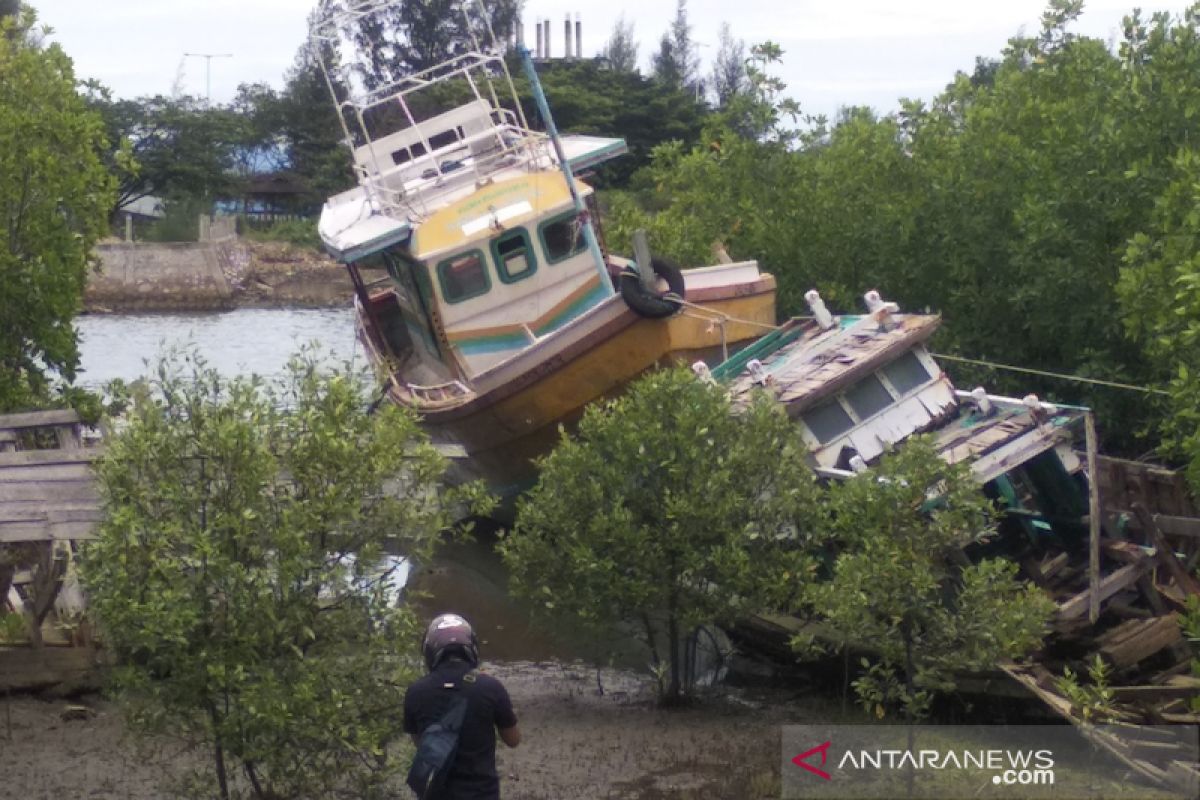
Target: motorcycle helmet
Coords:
[[446, 634]]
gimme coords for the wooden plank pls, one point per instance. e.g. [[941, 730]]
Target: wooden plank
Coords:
[[52, 509], [45, 472], [1089, 420], [1181, 688], [18, 532], [1166, 555], [1062, 706], [69, 491], [1017, 451], [88, 513], [25, 458], [39, 419], [1137, 640], [1125, 552], [1122, 579], [1054, 565], [1183, 527]]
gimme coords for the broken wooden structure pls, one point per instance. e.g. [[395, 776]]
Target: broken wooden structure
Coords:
[[1148, 552], [48, 504], [1115, 543]]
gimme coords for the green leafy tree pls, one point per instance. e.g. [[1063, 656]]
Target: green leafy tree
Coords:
[[902, 588], [415, 35], [729, 77], [1159, 292], [744, 157], [587, 97], [669, 512], [676, 63], [54, 198], [1006, 204], [309, 127], [237, 574], [621, 49], [173, 146]]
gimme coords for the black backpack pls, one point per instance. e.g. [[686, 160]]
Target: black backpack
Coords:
[[437, 747]]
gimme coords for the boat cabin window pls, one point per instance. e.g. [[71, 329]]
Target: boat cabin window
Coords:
[[463, 276], [514, 256], [562, 238], [828, 421], [868, 397], [906, 373]]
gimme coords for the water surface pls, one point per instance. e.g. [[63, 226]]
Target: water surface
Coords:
[[240, 342]]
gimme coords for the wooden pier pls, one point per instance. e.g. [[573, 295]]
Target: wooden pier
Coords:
[[48, 504]]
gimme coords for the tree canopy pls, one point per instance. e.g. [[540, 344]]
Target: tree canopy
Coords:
[[902, 589], [54, 198], [240, 580], [621, 49], [415, 35], [668, 511], [1006, 204]]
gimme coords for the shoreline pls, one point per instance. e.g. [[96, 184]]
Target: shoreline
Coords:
[[222, 276]]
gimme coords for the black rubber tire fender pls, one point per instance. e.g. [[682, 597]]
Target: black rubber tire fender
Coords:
[[647, 304]]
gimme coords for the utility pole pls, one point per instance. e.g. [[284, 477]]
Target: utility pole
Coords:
[[208, 57]]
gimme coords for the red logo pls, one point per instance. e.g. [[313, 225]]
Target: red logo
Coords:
[[801, 760]]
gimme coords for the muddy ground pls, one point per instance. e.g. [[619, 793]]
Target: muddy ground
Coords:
[[587, 734]]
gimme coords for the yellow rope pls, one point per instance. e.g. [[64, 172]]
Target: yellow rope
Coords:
[[720, 316], [1045, 374]]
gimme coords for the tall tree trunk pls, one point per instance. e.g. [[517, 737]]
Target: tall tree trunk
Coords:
[[673, 689], [218, 751]]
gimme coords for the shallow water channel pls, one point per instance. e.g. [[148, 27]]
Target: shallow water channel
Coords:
[[466, 577]]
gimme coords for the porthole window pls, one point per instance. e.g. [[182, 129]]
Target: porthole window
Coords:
[[562, 238], [463, 276], [514, 256]]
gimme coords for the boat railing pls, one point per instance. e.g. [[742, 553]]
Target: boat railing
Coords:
[[437, 393], [417, 184], [408, 156]]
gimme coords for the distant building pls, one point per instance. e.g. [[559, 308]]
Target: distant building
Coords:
[[272, 196]]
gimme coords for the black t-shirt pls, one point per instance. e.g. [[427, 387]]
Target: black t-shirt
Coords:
[[473, 776]]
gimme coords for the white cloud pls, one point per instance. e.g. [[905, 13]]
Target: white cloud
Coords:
[[856, 52]]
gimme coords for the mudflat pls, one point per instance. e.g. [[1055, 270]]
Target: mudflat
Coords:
[[588, 733]]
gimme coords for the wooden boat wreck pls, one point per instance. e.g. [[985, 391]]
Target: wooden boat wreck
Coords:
[[1115, 543], [502, 313]]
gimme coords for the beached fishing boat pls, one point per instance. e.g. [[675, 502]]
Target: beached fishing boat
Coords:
[[1111, 542], [483, 288]]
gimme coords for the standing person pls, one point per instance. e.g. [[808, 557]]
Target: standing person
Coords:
[[452, 655]]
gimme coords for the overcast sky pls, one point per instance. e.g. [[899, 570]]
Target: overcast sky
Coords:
[[853, 52]]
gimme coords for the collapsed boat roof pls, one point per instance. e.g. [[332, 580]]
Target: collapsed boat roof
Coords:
[[858, 384]]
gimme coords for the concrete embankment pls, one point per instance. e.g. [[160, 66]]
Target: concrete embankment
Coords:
[[158, 277], [208, 276]]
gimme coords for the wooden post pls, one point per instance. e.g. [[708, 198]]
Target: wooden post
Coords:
[[1089, 421], [641, 254]]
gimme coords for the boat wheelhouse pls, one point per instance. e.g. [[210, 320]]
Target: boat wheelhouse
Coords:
[[484, 291]]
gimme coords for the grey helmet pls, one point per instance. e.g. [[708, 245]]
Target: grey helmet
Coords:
[[448, 633]]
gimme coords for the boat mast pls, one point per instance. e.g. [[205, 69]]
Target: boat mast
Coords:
[[581, 211]]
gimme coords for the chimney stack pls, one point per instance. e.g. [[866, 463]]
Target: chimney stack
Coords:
[[546, 37], [567, 37], [578, 37], [538, 26]]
